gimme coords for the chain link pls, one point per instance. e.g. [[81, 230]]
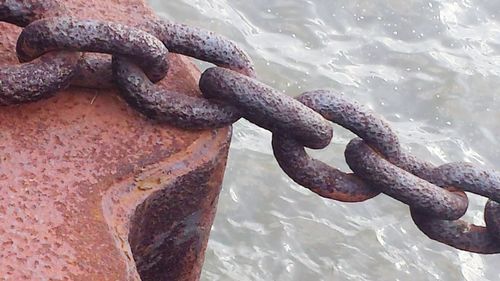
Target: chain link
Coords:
[[50, 46], [44, 76], [64, 33]]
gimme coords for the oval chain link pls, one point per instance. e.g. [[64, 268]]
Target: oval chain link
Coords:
[[51, 41], [64, 33], [44, 76]]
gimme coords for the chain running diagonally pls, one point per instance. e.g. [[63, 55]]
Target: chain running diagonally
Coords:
[[53, 48]]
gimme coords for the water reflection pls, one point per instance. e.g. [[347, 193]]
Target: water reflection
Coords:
[[429, 67]]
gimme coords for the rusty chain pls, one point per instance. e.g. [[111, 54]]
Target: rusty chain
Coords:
[[51, 48]]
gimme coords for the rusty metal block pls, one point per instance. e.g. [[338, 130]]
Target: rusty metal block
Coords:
[[92, 190]]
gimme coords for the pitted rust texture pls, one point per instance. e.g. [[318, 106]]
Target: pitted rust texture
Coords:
[[319, 177], [368, 126], [166, 105], [376, 160], [414, 165], [94, 36], [266, 107], [39, 79], [43, 77], [419, 194], [461, 234], [183, 221], [458, 234], [69, 152], [354, 117], [406, 183], [201, 44], [469, 178], [24, 12], [69, 168], [330, 182], [94, 71]]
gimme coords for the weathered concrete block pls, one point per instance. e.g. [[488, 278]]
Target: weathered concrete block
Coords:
[[91, 190]]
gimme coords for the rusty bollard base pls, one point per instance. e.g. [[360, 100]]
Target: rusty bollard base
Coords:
[[91, 190]]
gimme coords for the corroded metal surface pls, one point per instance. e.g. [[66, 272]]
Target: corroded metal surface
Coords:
[[38, 79], [264, 106], [182, 39], [461, 234], [321, 178], [318, 176], [468, 177], [75, 167], [95, 72], [62, 33], [435, 194], [23, 12], [354, 117], [458, 233], [43, 77], [201, 44], [402, 185], [168, 105], [376, 158], [185, 220]]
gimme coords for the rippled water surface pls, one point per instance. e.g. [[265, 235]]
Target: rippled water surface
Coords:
[[431, 68]]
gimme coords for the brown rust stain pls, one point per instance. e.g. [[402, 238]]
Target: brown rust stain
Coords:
[[72, 170], [163, 218]]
